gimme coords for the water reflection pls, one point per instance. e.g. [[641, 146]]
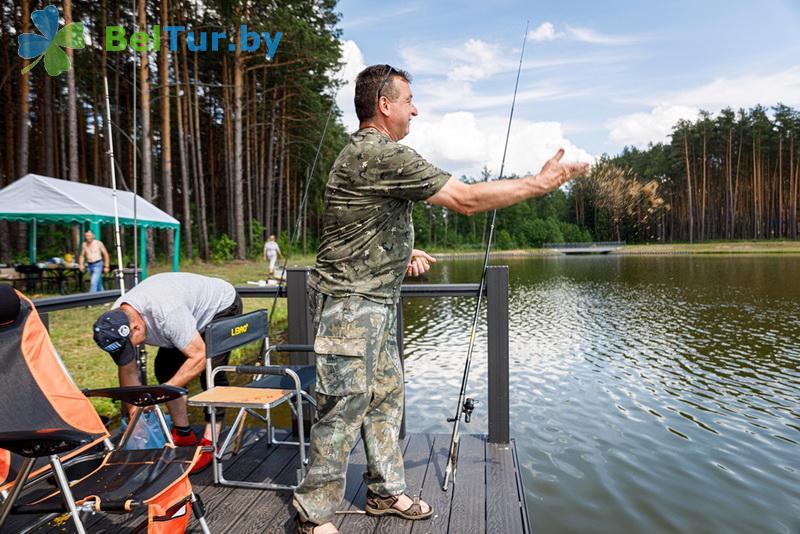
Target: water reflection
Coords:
[[648, 394]]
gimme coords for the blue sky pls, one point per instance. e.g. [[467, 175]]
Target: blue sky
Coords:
[[596, 76]]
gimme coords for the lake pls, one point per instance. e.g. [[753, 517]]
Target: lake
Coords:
[[648, 393]]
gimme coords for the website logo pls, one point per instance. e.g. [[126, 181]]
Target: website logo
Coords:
[[51, 43], [250, 41]]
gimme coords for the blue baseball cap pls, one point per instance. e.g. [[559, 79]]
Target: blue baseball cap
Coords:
[[112, 332]]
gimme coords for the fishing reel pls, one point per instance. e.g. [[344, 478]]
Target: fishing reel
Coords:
[[466, 409], [469, 405]]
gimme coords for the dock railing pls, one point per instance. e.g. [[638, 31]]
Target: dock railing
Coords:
[[300, 326]]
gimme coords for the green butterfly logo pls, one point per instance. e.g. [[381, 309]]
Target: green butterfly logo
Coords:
[[49, 44]]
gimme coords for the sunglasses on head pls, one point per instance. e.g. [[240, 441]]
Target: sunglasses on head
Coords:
[[389, 71]]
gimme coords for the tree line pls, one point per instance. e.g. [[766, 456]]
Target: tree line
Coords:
[[225, 139], [733, 175]]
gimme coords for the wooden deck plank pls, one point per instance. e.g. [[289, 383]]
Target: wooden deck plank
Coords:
[[432, 487], [503, 502], [251, 510], [362, 522], [353, 480], [416, 458], [468, 512], [487, 495]]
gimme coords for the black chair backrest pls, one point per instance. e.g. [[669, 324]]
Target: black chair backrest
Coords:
[[229, 333], [9, 304]]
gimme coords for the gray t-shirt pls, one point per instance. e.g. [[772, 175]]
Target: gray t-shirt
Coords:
[[176, 305]]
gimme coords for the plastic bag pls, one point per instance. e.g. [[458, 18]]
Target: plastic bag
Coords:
[[147, 434]]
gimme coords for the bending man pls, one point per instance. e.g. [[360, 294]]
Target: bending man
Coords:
[[170, 311], [365, 250]]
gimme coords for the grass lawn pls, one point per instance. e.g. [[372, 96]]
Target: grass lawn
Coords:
[[717, 247], [71, 330]]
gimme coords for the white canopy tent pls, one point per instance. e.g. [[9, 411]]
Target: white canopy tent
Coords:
[[35, 199]]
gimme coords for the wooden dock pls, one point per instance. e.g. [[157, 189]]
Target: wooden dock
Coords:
[[487, 496]]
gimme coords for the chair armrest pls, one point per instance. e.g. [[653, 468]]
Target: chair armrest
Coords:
[[292, 347], [259, 369], [36, 443], [139, 395]]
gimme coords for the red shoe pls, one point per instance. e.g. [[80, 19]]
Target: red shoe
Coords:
[[183, 441], [205, 458]]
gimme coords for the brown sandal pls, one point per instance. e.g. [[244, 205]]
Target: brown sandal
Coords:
[[306, 527], [377, 505]]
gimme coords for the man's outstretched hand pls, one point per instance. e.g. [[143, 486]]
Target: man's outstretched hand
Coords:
[[554, 173], [420, 263]]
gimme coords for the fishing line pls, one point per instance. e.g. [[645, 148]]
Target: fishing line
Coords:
[[309, 177]]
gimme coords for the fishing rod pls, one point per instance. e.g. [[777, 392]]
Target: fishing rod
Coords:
[[299, 220], [112, 160], [466, 405]]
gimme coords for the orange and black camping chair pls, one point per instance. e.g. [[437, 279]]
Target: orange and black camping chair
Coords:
[[49, 430]]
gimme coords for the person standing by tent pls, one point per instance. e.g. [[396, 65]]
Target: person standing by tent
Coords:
[[271, 253], [96, 255], [365, 250], [170, 311]]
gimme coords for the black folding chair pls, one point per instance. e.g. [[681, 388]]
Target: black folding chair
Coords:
[[273, 385], [43, 415]]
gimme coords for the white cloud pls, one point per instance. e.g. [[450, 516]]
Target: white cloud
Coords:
[[469, 61], [745, 91], [463, 144], [587, 35], [547, 32], [544, 32], [449, 133], [475, 60], [639, 129], [443, 96], [353, 64]]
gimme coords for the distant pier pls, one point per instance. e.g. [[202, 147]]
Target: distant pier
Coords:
[[603, 247]]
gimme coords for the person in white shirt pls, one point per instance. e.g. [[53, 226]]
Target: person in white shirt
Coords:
[[271, 253]]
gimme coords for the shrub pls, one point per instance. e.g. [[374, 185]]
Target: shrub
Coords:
[[223, 249]]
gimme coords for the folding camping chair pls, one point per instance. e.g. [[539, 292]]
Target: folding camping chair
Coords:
[[43, 415], [273, 385]]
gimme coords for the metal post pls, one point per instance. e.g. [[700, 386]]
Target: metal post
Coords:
[[143, 252], [497, 300], [176, 250], [300, 331], [402, 362], [300, 323], [32, 243], [45, 320]]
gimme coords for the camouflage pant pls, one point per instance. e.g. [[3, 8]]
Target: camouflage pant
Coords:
[[359, 388]]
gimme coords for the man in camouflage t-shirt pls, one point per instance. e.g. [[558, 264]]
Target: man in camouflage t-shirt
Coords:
[[366, 248]]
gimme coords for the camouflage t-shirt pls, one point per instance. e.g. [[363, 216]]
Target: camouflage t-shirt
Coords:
[[368, 233]]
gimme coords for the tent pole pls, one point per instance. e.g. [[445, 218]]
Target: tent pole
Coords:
[[32, 243], [176, 250], [143, 250]]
